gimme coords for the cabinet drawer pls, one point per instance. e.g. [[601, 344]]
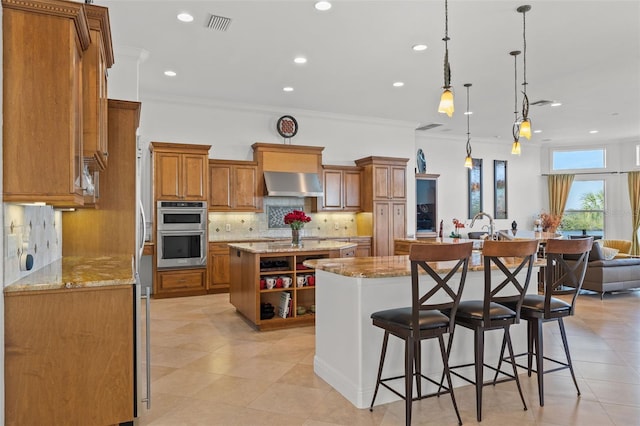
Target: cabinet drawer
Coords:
[[181, 280]]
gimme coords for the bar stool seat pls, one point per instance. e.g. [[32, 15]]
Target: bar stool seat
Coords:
[[402, 317]]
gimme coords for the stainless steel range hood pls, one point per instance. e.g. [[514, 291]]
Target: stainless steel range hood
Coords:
[[289, 184]]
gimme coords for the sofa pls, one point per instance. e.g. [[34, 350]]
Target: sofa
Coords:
[[608, 275]]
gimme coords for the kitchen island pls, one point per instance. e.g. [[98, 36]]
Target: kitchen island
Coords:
[[271, 288], [69, 343], [348, 345]]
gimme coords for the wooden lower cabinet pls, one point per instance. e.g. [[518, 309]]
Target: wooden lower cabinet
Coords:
[[181, 282], [389, 223], [219, 275], [69, 356], [363, 249]]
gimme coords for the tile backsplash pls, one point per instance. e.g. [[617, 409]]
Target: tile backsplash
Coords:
[[226, 226], [36, 230]]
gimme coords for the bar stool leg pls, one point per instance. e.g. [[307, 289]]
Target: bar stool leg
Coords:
[[507, 336], [530, 339], [566, 351], [408, 378], [445, 363], [539, 358], [479, 357], [418, 362], [383, 353]]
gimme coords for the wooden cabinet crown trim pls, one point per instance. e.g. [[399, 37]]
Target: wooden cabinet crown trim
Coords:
[[232, 162], [99, 20], [178, 147], [381, 160], [63, 9]]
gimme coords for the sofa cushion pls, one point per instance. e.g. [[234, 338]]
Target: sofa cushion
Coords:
[[594, 254], [609, 253]]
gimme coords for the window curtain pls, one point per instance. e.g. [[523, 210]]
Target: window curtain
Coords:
[[559, 186], [634, 198]]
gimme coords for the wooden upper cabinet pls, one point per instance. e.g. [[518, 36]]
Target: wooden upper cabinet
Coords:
[[383, 179], [95, 62], [180, 171], [43, 97], [341, 189], [389, 182], [233, 186]]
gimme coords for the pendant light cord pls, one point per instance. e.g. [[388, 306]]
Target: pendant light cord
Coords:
[[524, 50], [468, 116]]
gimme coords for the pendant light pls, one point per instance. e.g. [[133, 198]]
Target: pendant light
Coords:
[[525, 124], [515, 129], [468, 161], [446, 100]]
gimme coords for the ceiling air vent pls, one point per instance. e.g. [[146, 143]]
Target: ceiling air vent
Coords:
[[541, 102], [219, 23], [429, 126]]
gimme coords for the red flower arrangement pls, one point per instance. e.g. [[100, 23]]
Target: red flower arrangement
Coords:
[[457, 225], [296, 219]]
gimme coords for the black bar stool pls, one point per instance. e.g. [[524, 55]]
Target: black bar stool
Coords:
[[491, 313], [424, 319], [563, 277]]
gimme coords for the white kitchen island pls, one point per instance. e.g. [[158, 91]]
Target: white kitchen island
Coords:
[[348, 345]]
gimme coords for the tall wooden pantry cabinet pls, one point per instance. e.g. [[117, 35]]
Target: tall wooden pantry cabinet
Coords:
[[384, 194]]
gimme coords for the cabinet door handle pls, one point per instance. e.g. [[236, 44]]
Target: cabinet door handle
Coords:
[[381, 212]]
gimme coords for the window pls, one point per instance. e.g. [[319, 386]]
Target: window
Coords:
[[578, 159], [584, 212]]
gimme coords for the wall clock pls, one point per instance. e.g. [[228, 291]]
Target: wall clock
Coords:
[[421, 161], [287, 126]]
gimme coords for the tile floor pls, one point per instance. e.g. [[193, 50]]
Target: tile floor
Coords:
[[210, 368]]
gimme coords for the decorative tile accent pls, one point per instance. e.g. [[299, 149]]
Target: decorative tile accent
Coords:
[[275, 215]]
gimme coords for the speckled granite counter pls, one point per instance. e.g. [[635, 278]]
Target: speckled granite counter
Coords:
[[78, 272], [390, 266], [286, 247]]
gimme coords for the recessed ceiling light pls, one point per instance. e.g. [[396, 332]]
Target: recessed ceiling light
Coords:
[[537, 131], [185, 17], [170, 73], [323, 5], [419, 47], [398, 84], [288, 89], [593, 132], [300, 60], [555, 104], [468, 113]]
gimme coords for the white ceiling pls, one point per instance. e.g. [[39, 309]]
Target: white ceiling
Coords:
[[585, 54]]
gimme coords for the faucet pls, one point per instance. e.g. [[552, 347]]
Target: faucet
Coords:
[[491, 224]]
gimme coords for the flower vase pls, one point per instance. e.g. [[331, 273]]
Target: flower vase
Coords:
[[295, 237]]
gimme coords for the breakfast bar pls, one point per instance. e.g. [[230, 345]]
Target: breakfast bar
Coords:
[[348, 345]]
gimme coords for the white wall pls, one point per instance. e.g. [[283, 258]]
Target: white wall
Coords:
[[524, 183], [231, 130]]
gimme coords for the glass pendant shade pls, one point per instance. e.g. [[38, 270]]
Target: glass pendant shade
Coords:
[[525, 128], [446, 103], [515, 148], [468, 162]]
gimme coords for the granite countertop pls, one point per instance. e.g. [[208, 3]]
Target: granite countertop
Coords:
[[391, 266], [286, 247], [78, 272], [284, 239]]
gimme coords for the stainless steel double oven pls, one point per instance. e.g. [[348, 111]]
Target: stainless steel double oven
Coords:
[[182, 234]]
